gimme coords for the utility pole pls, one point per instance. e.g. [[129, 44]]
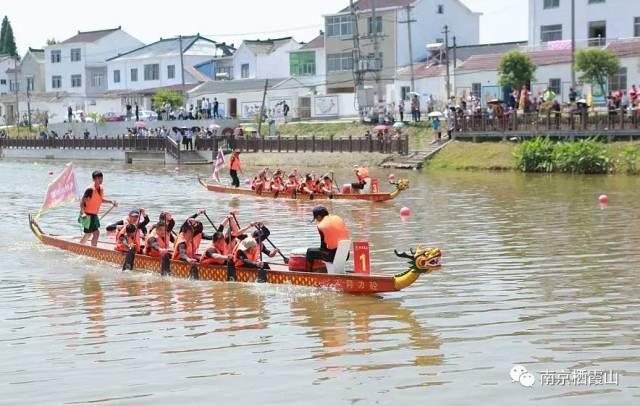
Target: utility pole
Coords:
[[15, 86], [445, 30], [357, 75], [184, 90], [408, 22], [28, 105], [376, 50], [573, 44], [264, 97]]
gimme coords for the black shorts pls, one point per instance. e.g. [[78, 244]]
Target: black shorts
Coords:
[[94, 224]]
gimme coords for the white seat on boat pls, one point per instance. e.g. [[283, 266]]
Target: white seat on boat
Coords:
[[340, 260]]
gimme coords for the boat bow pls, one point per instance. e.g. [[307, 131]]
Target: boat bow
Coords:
[[421, 260], [402, 184]]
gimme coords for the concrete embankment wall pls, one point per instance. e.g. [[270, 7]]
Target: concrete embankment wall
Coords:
[[84, 155], [113, 129]]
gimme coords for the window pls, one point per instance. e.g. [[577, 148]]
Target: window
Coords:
[[302, 63], [116, 76], [378, 26], [404, 92], [339, 26], [14, 86], [76, 80], [340, 62], [171, 71], [476, 89], [597, 33], [636, 27], [551, 32], [97, 79], [244, 71], [224, 72], [3, 82], [134, 74], [554, 86], [551, 4], [30, 84], [618, 81], [596, 1], [56, 82], [152, 71], [440, 9], [75, 55], [56, 56], [439, 40]]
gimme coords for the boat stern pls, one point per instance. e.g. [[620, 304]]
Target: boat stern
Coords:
[[35, 228]]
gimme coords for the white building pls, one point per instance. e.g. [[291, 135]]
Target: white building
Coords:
[[308, 64], [595, 21], [263, 59], [78, 67], [159, 64], [30, 78]]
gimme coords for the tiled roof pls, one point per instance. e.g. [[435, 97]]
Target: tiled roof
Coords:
[[317, 42], [150, 91], [490, 62], [234, 86], [366, 4], [465, 52], [625, 47], [89, 36], [423, 70], [191, 44], [266, 46], [38, 54]]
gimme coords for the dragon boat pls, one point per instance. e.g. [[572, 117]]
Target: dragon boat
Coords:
[[421, 261], [401, 185]]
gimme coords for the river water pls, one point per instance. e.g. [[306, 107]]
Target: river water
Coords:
[[535, 273]]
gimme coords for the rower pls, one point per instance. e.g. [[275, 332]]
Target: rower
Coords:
[[184, 248], [308, 185], [277, 184], [332, 230], [247, 254], [128, 238], [132, 218], [361, 179], [157, 242], [90, 207], [167, 219], [292, 184], [326, 186], [260, 182]]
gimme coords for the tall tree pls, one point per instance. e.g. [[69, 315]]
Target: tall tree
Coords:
[[596, 65], [3, 33], [51, 41], [516, 70], [8, 41]]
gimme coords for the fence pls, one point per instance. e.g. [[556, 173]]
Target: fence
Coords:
[[597, 122], [384, 145]]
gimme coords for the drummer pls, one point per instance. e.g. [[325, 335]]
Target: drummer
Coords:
[[361, 178], [332, 230]]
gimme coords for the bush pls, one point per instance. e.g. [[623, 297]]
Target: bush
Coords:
[[584, 156], [629, 159], [535, 155]]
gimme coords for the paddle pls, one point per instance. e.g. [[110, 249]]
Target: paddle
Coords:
[[210, 222], [193, 272], [165, 265], [107, 212], [284, 258], [128, 260]]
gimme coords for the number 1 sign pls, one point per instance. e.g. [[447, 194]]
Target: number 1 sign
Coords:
[[361, 260]]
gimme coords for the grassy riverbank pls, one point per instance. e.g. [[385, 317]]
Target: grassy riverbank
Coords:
[[500, 156]]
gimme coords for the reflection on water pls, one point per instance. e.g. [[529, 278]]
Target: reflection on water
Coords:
[[536, 273]]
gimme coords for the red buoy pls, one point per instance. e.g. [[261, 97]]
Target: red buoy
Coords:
[[392, 178], [405, 212], [603, 199], [177, 169]]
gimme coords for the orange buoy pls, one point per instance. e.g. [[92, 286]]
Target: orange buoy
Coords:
[[405, 212], [177, 169], [603, 199], [392, 178]]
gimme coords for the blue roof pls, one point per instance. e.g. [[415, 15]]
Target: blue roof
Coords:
[[191, 45]]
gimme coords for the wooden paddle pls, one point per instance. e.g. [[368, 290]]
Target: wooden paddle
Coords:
[[107, 212], [284, 258], [128, 259]]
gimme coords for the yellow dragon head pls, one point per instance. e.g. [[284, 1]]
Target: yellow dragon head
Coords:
[[402, 184], [422, 260]]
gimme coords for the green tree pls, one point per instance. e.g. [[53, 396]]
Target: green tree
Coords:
[[516, 70], [52, 41], [163, 96], [7, 41], [596, 65]]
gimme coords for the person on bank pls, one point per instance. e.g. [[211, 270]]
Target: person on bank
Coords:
[[234, 168], [332, 230], [90, 207]]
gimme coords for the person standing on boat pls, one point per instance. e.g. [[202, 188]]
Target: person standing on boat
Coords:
[[332, 230], [234, 168], [90, 207]]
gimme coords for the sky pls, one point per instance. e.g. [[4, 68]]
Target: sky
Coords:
[[229, 21]]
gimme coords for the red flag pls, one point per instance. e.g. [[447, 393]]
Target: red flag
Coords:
[[64, 188]]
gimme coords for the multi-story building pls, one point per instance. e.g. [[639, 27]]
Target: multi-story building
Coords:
[[595, 21], [263, 59], [25, 80], [78, 67], [391, 31]]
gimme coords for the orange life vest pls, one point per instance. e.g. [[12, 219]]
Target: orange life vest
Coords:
[[307, 186], [92, 205], [291, 186], [333, 230], [133, 240], [234, 165], [328, 185], [220, 247], [162, 243], [190, 251], [276, 184], [252, 255]]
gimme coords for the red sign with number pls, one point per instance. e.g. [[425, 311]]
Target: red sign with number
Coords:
[[362, 259], [374, 186]]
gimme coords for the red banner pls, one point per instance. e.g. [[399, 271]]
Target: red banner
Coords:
[[63, 188], [362, 260]]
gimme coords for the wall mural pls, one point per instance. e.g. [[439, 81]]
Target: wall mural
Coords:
[[250, 110], [325, 106]]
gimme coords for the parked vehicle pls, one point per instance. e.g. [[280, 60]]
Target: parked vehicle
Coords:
[[111, 117]]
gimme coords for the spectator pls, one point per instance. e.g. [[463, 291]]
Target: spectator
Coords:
[[128, 109], [205, 108], [414, 114], [624, 102], [401, 109], [572, 95], [69, 114], [137, 112], [86, 134], [418, 107], [285, 110], [435, 125], [215, 108], [634, 93], [555, 107]]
